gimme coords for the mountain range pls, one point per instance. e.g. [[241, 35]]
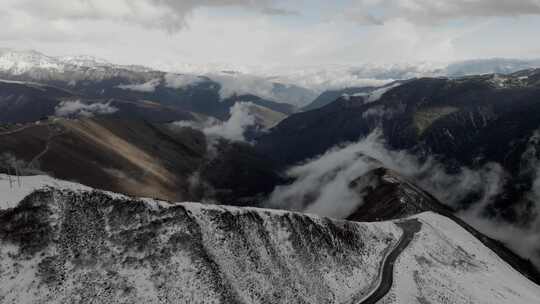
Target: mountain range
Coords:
[[409, 191]]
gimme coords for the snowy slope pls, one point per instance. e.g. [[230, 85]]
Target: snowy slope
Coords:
[[64, 246], [19, 62], [71, 244], [34, 66], [446, 264], [13, 189]]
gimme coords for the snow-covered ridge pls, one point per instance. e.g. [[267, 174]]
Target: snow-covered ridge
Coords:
[[446, 264], [67, 243], [83, 245], [18, 62]]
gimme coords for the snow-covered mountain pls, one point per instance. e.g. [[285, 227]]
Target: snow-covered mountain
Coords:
[[69, 243], [84, 73], [20, 62], [31, 65], [294, 85]]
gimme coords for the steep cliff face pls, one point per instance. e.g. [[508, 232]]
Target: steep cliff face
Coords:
[[61, 246]]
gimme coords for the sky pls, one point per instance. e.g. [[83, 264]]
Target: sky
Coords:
[[176, 33]]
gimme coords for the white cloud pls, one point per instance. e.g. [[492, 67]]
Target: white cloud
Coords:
[[263, 86], [243, 84], [178, 81], [147, 87], [321, 78], [165, 14], [434, 11], [235, 127], [78, 108], [241, 118], [321, 187], [321, 179], [284, 43]]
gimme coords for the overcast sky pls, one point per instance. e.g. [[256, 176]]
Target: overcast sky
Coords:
[[274, 33]]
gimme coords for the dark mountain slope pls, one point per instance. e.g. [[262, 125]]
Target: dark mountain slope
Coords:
[[455, 118], [468, 121], [23, 102], [330, 96], [110, 83], [134, 157]]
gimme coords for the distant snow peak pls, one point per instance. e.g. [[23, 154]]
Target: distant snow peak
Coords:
[[84, 61], [20, 62]]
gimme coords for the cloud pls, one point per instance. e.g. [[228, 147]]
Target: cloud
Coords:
[[335, 77], [302, 41], [170, 15], [234, 128], [321, 186], [319, 179], [527, 226], [147, 87], [266, 87], [241, 118], [78, 108], [178, 81], [243, 84], [377, 12]]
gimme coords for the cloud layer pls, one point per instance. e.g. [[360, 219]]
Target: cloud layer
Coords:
[[377, 12], [78, 108], [168, 33], [165, 14], [321, 186]]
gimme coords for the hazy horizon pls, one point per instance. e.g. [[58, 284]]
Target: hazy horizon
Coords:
[[270, 34]]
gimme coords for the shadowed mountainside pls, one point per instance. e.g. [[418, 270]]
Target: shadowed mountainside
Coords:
[[136, 157]]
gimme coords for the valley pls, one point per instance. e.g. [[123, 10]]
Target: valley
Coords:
[[125, 184]]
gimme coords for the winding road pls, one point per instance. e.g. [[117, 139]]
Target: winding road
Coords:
[[386, 276]]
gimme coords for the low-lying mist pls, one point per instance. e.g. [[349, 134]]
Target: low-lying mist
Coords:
[[321, 186]]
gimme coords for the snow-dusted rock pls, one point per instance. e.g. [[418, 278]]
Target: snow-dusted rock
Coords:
[[65, 246]]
